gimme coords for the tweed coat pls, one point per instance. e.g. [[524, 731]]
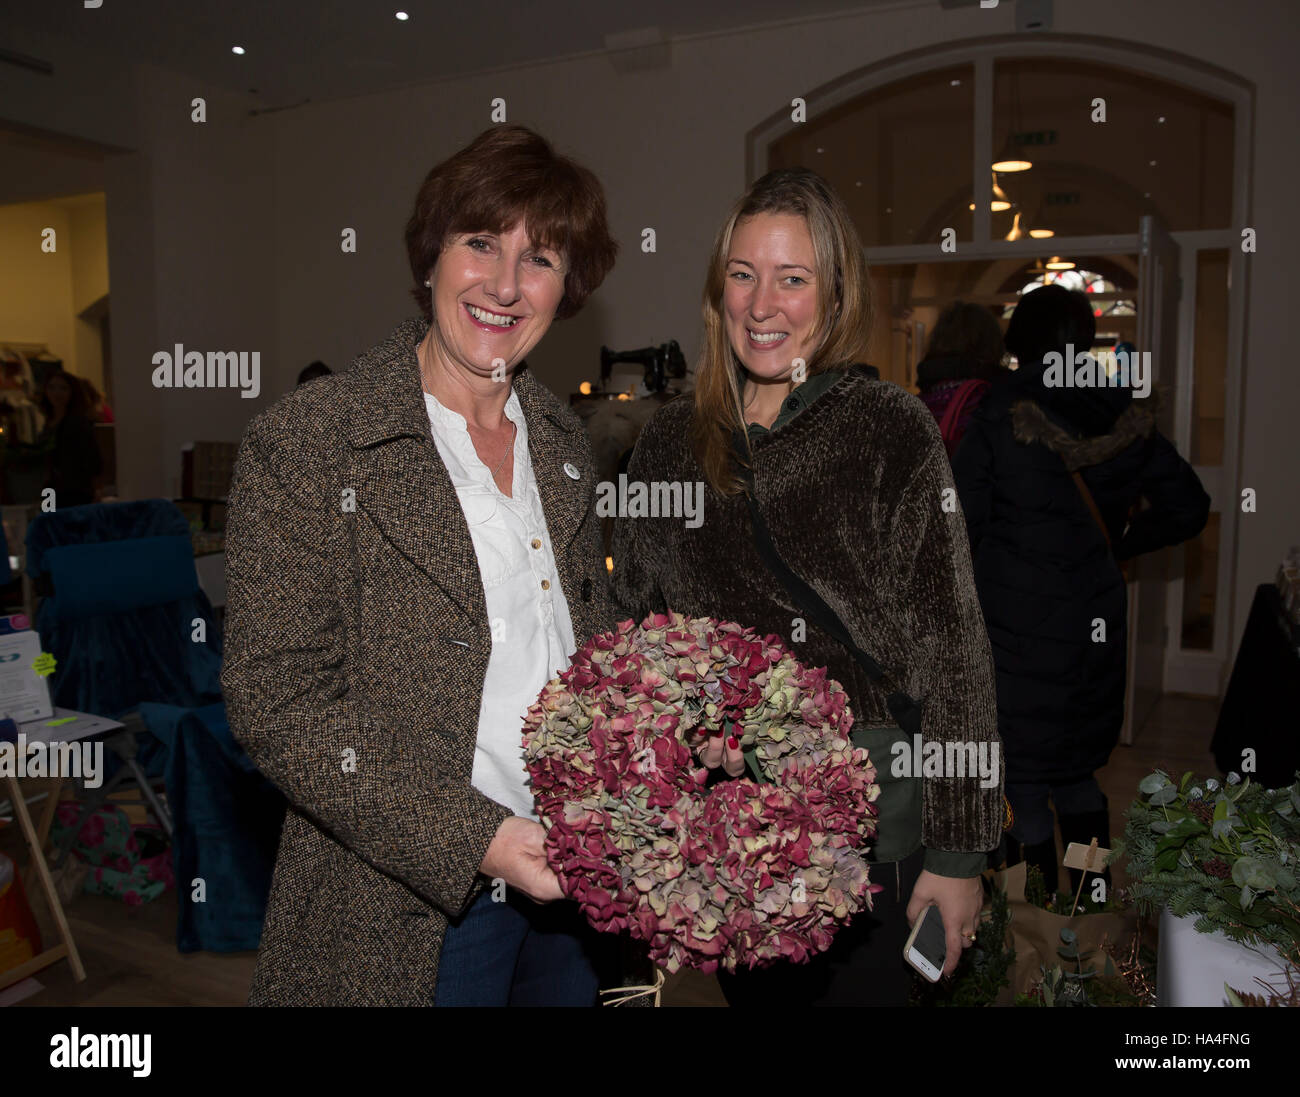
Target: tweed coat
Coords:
[[356, 646]]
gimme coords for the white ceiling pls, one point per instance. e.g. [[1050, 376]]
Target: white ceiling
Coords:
[[323, 49]]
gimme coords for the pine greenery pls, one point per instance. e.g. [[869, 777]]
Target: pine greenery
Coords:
[[1226, 853]]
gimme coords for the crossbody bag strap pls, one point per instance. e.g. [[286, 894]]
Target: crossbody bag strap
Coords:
[[902, 707], [1092, 505]]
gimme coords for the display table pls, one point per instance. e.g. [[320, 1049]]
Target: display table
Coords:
[[1192, 967], [64, 726], [1261, 709]]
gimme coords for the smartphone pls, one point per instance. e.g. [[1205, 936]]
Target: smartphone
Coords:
[[927, 945]]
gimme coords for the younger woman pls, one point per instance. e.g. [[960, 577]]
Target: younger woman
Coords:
[[850, 477]]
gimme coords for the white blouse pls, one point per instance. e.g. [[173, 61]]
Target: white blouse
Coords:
[[532, 633]]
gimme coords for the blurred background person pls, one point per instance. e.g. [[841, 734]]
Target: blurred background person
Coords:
[[68, 439], [312, 371], [962, 362], [1048, 476]]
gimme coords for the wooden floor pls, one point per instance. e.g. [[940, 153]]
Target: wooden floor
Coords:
[[130, 952]]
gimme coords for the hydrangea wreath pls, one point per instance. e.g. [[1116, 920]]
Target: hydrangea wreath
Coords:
[[733, 875]]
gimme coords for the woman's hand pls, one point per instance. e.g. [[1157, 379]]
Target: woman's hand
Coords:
[[728, 754], [517, 855], [959, 901]]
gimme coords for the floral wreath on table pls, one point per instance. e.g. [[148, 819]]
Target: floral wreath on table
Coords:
[[735, 875]]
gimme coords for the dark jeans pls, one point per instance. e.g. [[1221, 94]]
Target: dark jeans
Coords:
[[1029, 803], [863, 967], [520, 953]]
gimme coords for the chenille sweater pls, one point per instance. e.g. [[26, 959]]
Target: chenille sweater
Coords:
[[858, 494]]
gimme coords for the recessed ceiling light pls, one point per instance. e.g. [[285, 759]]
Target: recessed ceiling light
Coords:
[[1153, 163], [955, 83], [237, 49], [821, 149], [401, 15], [1161, 119], [858, 183]]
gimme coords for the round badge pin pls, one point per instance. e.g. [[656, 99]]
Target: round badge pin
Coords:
[[571, 470]]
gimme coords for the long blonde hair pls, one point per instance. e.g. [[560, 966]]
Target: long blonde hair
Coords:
[[843, 310]]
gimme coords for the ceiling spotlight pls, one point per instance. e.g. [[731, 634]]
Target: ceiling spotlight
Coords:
[[1042, 234], [819, 149], [401, 16], [1057, 263], [1161, 119], [954, 84], [237, 49]]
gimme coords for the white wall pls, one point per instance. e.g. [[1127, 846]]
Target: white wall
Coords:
[[226, 236]]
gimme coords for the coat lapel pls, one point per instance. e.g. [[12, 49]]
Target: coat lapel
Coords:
[[403, 485], [405, 489], [556, 439]]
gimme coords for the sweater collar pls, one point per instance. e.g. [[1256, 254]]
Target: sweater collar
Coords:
[[801, 397]]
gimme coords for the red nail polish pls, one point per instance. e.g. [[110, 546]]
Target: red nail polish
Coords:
[[733, 742]]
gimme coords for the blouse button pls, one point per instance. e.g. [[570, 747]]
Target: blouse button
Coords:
[[546, 584], [536, 542]]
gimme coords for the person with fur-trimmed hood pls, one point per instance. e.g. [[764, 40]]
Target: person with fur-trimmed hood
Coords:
[[1049, 479]]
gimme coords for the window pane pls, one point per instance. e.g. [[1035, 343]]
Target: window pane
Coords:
[[1162, 149], [899, 156], [1210, 356]]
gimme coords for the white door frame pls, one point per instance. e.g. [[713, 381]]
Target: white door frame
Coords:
[[1185, 671]]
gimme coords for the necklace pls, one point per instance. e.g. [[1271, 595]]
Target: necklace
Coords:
[[506, 452]]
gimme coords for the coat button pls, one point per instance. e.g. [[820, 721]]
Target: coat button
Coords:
[[546, 584], [536, 542], [571, 470]]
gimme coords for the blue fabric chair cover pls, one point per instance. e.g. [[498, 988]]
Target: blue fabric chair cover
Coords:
[[122, 621], [122, 612], [228, 827]]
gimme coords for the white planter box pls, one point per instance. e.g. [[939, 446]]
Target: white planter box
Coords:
[[1192, 967]]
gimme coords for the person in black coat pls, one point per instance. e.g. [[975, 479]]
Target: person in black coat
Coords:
[[68, 438], [1045, 572]]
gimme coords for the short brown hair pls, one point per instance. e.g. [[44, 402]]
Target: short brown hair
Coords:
[[508, 174]]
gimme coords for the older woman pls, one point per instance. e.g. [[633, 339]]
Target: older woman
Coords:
[[851, 481], [412, 552]]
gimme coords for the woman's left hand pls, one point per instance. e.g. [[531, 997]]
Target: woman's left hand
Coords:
[[959, 901]]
